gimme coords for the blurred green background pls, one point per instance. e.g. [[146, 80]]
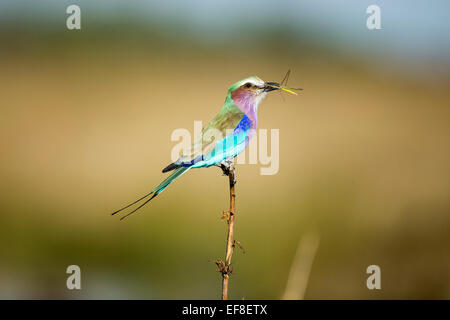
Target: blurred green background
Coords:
[[364, 150]]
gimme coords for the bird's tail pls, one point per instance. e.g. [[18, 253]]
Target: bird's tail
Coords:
[[160, 188]]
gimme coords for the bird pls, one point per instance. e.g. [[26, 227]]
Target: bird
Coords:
[[224, 137]]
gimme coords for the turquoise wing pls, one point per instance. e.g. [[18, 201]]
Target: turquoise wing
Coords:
[[229, 147]]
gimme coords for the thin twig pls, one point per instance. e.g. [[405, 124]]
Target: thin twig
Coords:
[[225, 267], [301, 267]]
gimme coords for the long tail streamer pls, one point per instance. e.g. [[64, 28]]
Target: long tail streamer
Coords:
[[160, 188]]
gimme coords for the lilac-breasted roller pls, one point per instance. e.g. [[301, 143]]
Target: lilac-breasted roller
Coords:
[[222, 139]]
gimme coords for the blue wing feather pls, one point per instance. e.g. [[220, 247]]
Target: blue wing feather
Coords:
[[229, 147]]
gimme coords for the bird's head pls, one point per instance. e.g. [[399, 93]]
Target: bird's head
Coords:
[[251, 90]]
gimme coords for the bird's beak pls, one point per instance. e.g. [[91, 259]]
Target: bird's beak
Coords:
[[270, 86]]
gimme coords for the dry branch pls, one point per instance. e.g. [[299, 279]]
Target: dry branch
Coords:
[[225, 266]]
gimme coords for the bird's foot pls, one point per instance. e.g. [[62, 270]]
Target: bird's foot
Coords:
[[227, 166], [225, 169]]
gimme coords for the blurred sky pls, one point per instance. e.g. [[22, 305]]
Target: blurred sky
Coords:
[[414, 33]]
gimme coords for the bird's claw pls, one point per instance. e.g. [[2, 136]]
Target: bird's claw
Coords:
[[226, 167]]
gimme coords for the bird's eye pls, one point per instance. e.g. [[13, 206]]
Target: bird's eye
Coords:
[[248, 85]]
